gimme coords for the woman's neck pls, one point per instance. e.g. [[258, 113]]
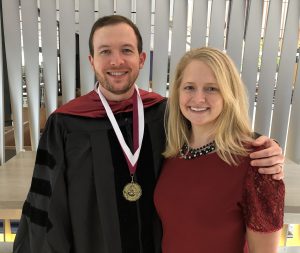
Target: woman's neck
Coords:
[[200, 137]]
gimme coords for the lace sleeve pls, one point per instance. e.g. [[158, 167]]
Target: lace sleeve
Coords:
[[263, 202]]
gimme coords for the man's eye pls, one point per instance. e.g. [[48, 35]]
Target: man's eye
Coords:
[[104, 52], [127, 51]]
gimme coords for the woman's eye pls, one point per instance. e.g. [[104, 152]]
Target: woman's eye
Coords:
[[188, 87], [211, 89]]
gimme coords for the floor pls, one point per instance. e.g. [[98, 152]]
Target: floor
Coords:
[[6, 247], [294, 249]]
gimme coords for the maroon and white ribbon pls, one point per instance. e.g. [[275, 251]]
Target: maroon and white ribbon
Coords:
[[138, 126]]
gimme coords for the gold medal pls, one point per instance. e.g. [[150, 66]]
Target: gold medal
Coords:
[[132, 191]]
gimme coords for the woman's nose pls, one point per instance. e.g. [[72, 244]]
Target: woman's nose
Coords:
[[200, 96]]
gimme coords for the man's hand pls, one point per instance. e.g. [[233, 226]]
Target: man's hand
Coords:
[[270, 159]]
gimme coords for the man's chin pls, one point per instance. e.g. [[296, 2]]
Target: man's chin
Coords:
[[122, 91], [117, 89]]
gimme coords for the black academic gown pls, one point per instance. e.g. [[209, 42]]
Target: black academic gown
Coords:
[[75, 203]]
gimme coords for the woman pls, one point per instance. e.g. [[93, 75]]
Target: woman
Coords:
[[208, 197]]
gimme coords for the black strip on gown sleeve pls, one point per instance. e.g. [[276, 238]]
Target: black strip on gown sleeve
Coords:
[[43, 157], [36, 215], [41, 186]]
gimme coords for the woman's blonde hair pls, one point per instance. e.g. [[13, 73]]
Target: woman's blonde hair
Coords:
[[232, 128]]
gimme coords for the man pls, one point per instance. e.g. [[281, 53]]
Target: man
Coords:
[[89, 192]]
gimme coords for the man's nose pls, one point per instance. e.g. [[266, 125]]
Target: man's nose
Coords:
[[116, 59]]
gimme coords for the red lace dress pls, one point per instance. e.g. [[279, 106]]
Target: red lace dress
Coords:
[[205, 205]]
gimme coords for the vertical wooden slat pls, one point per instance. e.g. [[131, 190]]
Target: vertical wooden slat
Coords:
[[49, 50], [86, 20], [236, 31], [67, 49], [31, 56], [105, 8], [199, 24], [285, 74], [123, 7], [251, 51], [2, 153], [7, 229], [161, 41], [268, 69], [179, 33], [143, 21], [217, 24], [11, 21], [293, 142]]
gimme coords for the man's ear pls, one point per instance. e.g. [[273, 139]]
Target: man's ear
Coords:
[[91, 59], [142, 59]]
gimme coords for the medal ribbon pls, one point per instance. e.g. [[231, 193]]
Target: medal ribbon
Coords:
[[138, 128]]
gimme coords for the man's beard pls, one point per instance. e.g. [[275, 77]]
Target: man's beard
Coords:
[[106, 85]]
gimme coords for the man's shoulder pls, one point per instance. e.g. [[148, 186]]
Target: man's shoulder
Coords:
[[87, 105], [151, 98]]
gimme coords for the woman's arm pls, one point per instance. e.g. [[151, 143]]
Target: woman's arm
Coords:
[[263, 208], [259, 242]]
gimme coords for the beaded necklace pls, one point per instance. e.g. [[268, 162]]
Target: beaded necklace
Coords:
[[188, 153]]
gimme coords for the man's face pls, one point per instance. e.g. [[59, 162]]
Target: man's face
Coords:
[[116, 60]]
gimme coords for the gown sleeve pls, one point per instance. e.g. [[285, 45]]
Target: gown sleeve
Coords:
[[45, 224], [263, 202]]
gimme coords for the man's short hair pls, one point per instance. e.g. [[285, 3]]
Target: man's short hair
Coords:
[[114, 20]]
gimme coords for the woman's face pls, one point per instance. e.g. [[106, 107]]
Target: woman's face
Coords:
[[200, 99]]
